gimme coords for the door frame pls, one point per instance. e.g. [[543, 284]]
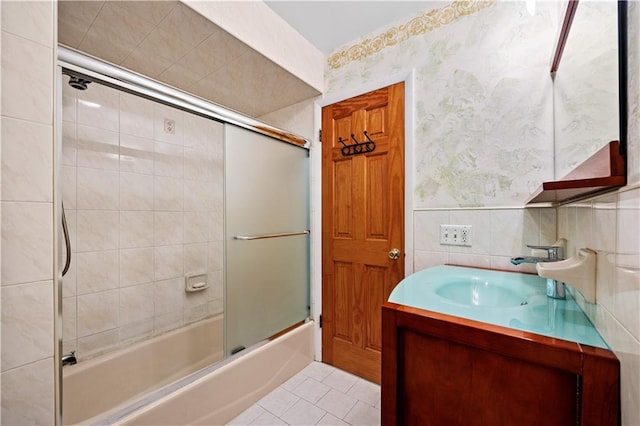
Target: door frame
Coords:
[[315, 159]]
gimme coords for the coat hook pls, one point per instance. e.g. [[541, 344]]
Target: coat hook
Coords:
[[366, 135], [341, 141], [357, 147]]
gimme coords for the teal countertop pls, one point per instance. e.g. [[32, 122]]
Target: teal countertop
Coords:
[[508, 299]]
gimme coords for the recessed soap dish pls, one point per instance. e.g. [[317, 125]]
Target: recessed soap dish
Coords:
[[195, 282]]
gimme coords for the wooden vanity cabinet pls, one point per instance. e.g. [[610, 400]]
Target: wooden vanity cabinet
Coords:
[[439, 369]]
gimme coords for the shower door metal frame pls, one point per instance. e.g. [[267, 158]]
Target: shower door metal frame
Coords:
[[129, 81], [267, 229], [57, 245]]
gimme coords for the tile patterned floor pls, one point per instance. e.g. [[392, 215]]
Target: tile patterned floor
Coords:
[[318, 395]]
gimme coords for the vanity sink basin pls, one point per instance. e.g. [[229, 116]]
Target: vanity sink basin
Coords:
[[480, 293], [508, 299]]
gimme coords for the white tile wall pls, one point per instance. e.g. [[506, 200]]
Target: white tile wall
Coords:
[[30, 66], [26, 161], [26, 333], [30, 20], [96, 271], [610, 224], [143, 207], [27, 394], [27, 241], [26, 292], [497, 236], [136, 266]]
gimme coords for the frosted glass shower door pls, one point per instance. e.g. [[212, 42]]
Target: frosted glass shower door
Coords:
[[267, 244]]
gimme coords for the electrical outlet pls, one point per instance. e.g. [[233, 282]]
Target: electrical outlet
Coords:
[[169, 126], [465, 235], [455, 235]]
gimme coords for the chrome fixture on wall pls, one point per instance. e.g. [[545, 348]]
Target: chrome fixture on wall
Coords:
[[554, 253], [69, 359], [555, 289], [77, 82]]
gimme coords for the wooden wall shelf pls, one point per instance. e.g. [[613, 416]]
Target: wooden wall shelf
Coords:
[[604, 170]]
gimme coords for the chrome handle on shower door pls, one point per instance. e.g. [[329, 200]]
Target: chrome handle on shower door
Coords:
[[67, 243], [394, 254]]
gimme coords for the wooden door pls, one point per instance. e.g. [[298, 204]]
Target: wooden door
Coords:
[[362, 222]]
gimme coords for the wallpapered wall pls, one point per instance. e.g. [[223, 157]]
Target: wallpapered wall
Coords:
[[483, 99]]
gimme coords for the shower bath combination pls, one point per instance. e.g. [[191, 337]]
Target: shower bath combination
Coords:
[[146, 212]]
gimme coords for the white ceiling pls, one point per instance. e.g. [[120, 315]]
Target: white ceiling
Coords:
[[330, 24]]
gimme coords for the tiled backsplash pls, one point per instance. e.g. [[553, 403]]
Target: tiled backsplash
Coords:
[[610, 224], [497, 235], [142, 189]]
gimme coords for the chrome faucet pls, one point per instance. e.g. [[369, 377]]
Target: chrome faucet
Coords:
[[69, 359], [555, 289], [554, 253]]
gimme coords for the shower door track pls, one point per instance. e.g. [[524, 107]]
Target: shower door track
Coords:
[[114, 76], [265, 236]]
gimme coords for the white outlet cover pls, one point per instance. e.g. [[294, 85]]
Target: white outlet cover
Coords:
[[455, 235], [169, 126]]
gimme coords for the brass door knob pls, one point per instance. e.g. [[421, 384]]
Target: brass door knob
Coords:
[[394, 254]]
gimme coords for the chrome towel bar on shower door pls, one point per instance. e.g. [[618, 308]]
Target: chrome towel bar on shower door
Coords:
[[263, 236]]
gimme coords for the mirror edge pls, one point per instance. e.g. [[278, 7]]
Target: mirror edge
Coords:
[[622, 76], [567, 20], [565, 190]]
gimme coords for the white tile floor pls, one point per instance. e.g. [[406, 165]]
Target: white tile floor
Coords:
[[318, 395]]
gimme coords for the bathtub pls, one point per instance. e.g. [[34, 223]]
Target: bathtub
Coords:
[[220, 393], [95, 388], [145, 384]]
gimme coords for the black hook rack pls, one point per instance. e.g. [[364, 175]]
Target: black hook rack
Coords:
[[357, 147]]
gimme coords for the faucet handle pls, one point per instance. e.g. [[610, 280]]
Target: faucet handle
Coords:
[[555, 251], [543, 247]]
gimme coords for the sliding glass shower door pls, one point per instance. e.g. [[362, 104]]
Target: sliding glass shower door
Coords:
[[267, 237]]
